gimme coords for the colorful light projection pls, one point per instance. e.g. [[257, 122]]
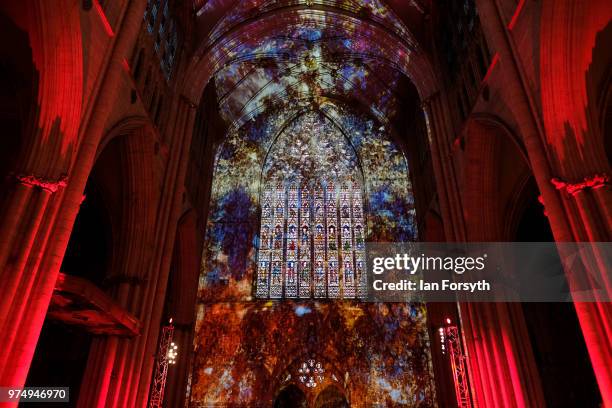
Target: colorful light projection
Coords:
[[319, 49], [243, 345], [230, 254], [240, 11], [295, 146], [374, 10], [304, 64], [244, 351], [311, 210]]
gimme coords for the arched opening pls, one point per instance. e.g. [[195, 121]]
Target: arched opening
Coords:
[[495, 172], [291, 396], [99, 261], [89, 257], [331, 397], [312, 224], [567, 377], [90, 248]]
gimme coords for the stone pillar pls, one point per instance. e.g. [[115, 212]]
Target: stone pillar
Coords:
[[583, 200], [181, 304], [39, 179], [561, 145], [126, 365], [500, 359], [439, 129], [36, 223]]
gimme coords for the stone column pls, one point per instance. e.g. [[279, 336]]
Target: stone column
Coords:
[[500, 359], [40, 177], [554, 152], [130, 362], [37, 221]]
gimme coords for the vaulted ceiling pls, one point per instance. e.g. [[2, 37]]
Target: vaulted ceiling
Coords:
[[354, 52]]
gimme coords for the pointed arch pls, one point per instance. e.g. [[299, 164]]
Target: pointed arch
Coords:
[[312, 227]]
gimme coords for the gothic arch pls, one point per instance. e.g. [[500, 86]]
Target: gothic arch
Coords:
[[130, 178], [123, 127], [331, 397], [490, 151], [300, 113], [312, 178], [402, 52], [122, 178], [288, 374]]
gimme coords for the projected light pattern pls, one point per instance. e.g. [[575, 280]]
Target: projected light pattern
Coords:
[[319, 48], [311, 167], [248, 350], [305, 176], [295, 67], [238, 192], [243, 347], [375, 10]]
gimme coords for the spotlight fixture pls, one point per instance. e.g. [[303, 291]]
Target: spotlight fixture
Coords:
[[172, 353]]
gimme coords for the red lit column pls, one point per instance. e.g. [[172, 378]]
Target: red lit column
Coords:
[[40, 177], [562, 145], [595, 318], [500, 359], [131, 364], [496, 334], [502, 368], [34, 231]]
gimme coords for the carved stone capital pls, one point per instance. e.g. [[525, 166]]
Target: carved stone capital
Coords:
[[48, 185], [592, 182]]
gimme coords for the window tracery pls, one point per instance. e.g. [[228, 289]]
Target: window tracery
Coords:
[[311, 234]]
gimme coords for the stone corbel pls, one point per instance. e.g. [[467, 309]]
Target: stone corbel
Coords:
[[45, 184], [594, 182]]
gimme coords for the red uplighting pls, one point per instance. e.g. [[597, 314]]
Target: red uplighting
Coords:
[[494, 62], [107, 26], [517, 12], [125, 65]]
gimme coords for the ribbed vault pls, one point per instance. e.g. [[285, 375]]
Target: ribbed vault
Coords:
[[266, 56]]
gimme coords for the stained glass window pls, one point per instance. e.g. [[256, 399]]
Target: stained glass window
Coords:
[[312, 227], [166, 36]]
